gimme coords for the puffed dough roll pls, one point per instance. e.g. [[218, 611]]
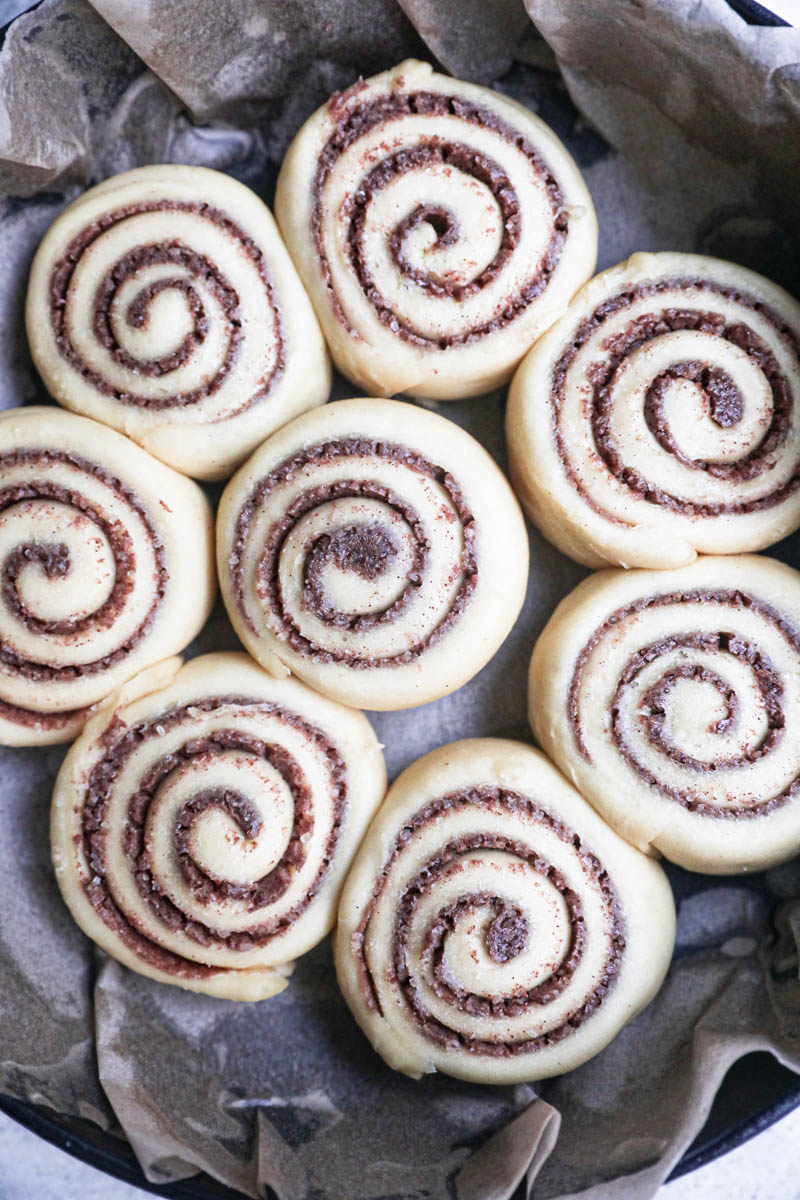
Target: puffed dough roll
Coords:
[[107, 565], [493, 927], [659, 418], [203, 823], [672, 701], [163, 302], [439, 228], [374, 549]]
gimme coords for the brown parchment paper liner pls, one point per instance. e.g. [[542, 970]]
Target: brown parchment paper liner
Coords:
[[287, 1094], [671, 75]]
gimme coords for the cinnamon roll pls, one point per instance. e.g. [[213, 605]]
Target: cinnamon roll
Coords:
[[493, 927], [659, 417], [202, 824], [106, 566], [374, 549], [163, 303], [672, 701], [439, 228]]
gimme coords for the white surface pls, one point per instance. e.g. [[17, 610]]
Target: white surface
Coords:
[[765, 1168], [788, 9]]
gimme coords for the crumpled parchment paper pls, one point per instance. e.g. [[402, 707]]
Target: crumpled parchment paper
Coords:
[[287, 1094]]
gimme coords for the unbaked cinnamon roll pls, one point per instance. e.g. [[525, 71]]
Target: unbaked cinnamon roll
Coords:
[[493, 927], [672, 701], [106, 566], [439, 228], [163, 303], [375, 550], [202, 824], [659, 417]]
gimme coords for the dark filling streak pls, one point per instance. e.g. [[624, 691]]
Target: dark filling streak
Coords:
[[268, 573], [723, 402], [118, 748], [365, 549], [751, 465], [446, 229], [41, 720], [496, 800], [767, 682], [766, 677], [55, 562], [434, 947], [655, 702], [138, 313], [205, 884], [206, 887], [508, 933], [269, 584], [359, 121], [725, 406], [175, 252], [53, 559]]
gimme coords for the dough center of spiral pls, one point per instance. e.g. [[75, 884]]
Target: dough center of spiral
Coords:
[[57, 565], [431, 248], [471, 928], [353, 571], [159, 323], [720, 710], [232, 835]]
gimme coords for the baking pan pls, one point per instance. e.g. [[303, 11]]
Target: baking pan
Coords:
[[756, 1092]]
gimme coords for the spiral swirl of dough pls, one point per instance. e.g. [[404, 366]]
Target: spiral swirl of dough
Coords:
[[163, 303], [202, 828], [375, 550], [439, 228], [672, 701], [659, 417], [492, 926], [106, 566]]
